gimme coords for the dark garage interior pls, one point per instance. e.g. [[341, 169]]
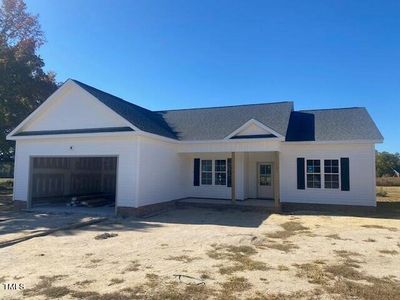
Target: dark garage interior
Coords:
[[73, 182]]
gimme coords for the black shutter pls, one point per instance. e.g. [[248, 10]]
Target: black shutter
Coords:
[[345, 173], [300, 174], [196, 172], [229, 173]]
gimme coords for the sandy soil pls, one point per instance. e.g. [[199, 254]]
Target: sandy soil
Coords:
[[235, 254]]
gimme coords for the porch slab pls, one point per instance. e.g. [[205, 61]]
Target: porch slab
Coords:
[[248, 204]]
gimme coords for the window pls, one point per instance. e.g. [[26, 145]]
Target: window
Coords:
[[206, 172], [331, 173], [265, 175], [313, 173], [220, 172]]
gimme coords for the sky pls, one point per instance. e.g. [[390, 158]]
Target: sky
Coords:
[[183, 54]]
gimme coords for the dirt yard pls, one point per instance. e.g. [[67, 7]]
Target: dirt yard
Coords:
[[194, 253]]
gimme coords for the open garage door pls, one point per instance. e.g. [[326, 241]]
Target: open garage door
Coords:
[[73, 181]]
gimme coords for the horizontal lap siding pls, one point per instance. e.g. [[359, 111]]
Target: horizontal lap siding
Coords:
[[160, 172], [362, 174], [124, 148]]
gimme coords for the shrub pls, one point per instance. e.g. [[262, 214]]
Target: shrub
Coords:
[[381, 192]]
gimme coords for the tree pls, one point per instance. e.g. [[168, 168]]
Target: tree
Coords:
[[24, 85], [386, 162]]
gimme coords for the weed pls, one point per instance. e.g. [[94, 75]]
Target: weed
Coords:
[[369, 240], [239, 255], [380, 227], [391, 252], [183, 258]]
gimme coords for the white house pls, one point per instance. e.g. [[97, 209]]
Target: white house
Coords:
[[83, 140]]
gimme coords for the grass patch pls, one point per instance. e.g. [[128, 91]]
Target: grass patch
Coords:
[[114, 281], [84, 283], [46, 288], [291, 228], [286, 246], [335, 237], [380, 227], [95, 260], [235, 284], [369, 240], [283, 268], [105, 236], [183, 258], [391, 252], [239, 255], [133, 267], [344, 281]]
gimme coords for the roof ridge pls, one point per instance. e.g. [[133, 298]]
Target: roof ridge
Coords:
[[118, 98], [226, 106], [335, 108]]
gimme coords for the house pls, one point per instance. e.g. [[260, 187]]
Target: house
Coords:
[[82, 141]]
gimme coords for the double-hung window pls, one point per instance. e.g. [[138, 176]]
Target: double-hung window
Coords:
[[206, 172], [331, 173], [220, 172], [313, 173]]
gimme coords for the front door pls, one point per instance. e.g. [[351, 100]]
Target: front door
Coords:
[[265, 181]]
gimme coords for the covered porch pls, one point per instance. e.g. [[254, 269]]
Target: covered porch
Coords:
[[243, 179]]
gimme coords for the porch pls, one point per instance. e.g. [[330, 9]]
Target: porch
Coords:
[[245, 179]]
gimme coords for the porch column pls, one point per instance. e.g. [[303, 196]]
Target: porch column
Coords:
[[276, 181], [233, 179]]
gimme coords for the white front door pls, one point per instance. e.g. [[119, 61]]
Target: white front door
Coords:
[[265, 180]]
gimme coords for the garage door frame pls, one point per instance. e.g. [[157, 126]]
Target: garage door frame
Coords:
[[30, 180]]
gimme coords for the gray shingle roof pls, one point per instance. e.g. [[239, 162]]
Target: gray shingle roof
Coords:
[[217, 122], [340, 124], [142, 118]]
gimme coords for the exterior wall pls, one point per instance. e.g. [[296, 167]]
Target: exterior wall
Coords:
[[161, 172], [229, 146], [205, 191], [252, 159], [362, 174], [75, 109], [122, 146]]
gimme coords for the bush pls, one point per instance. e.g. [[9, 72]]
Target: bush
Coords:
[[6, 184], [388, 181], [381, 193]]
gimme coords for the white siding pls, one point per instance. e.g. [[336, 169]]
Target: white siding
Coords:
[[160, 172], [204, 191], [74, 109], [252, 129], [362, 174], [123, 147]]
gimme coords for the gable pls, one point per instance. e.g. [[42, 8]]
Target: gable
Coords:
[[73, 108], [252, 129]]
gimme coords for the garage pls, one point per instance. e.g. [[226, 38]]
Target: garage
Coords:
[[74, 183]]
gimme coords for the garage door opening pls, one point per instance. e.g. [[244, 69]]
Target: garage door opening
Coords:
[[74, 182]]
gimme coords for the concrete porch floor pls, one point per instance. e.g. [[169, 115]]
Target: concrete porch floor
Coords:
[[253, 204]]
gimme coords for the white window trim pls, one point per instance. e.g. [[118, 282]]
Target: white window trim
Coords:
[[226, 172], [201, 172], [322, 173], [339, 179]]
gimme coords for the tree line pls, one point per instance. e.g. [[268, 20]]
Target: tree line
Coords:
[[387, 164], [24, 84]]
